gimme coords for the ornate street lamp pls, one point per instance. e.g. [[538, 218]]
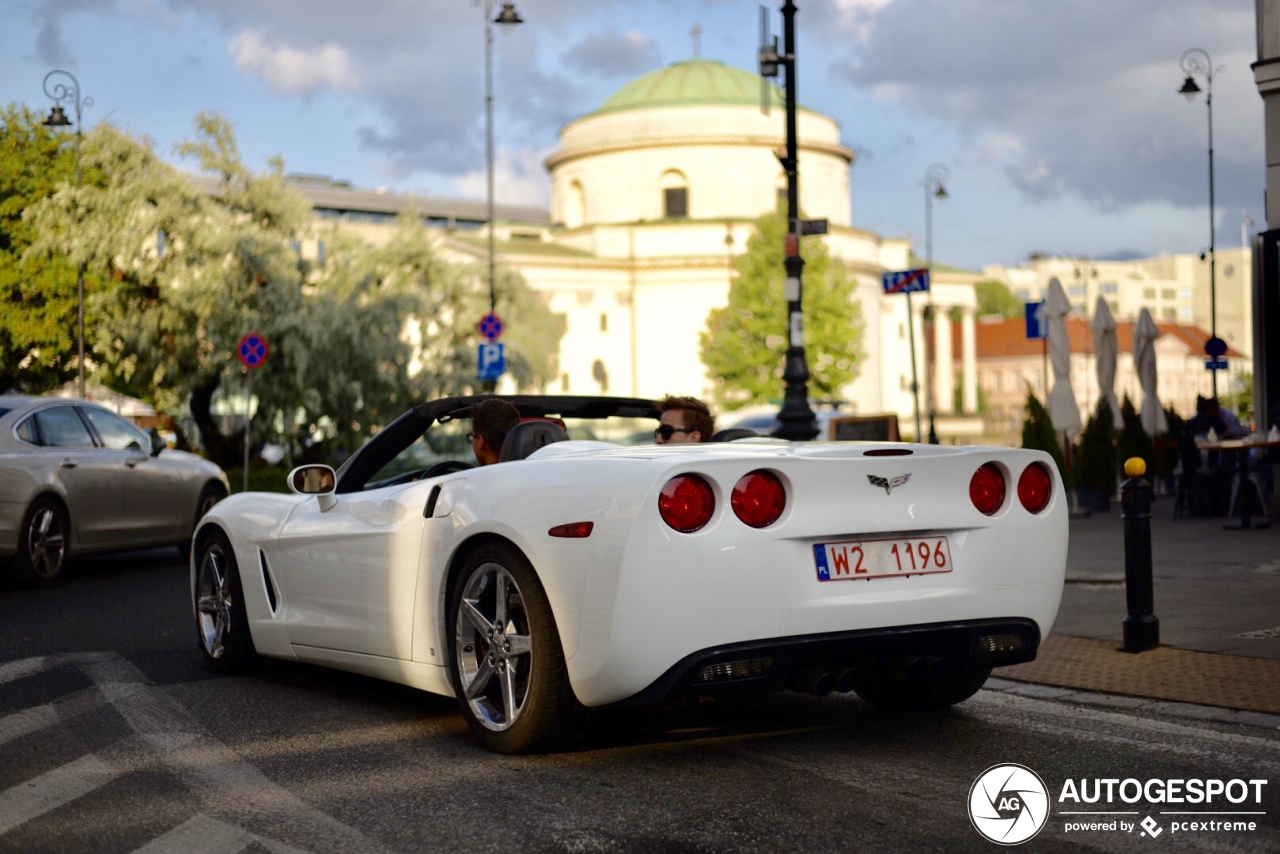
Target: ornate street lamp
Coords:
[[508, 16], [70, 92], [1195, 62], [796, 419], [935, 187]]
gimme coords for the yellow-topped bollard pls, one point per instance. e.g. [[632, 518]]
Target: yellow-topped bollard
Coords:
[[1141, 627]]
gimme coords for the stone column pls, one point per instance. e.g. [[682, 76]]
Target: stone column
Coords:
[[969, 361], [945, 372]]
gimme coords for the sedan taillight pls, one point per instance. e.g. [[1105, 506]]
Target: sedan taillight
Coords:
[[986, 488], [758, 499], [686, 503], [1035, 487]]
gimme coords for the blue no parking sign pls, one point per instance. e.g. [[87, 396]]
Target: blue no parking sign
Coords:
[[252, 350]]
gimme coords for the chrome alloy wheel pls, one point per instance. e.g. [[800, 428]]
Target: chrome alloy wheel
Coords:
[[214, 599], [46, 542], [493, 647]]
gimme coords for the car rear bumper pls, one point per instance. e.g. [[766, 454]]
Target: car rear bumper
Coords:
[[900, 653]]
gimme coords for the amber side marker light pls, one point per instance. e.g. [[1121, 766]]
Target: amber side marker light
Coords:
[[572, 531], [987, 489], [1035, 487]]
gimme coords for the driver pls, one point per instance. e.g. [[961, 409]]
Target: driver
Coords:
[[491, 420]]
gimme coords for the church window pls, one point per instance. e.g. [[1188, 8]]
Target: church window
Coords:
[[675, 195], [604, 322]]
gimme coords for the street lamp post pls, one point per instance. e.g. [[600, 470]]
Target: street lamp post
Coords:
[[1196, 62], [796, 419], [508, 16], [70, 92], [935, 187]]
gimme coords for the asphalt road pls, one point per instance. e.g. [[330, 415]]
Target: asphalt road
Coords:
[[114, 737]]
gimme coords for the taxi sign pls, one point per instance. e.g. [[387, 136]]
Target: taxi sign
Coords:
[[906, 281], [252, 350]]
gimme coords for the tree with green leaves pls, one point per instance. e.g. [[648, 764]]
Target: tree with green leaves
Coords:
[[1133, 440], [745, 342], [38, 326], [994, 298], [355, 340]]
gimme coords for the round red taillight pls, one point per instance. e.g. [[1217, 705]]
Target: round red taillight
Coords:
[[1035, 486], [758, 499], [986, 488], [686, 503]]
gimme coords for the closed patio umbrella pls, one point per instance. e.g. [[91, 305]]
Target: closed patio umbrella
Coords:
[[1105, 352], [1144, 362], [1062, 407]]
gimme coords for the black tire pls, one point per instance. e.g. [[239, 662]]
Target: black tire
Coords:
[[222, 626], [513, 664], [44, 544], [209, 496], [929, 694]]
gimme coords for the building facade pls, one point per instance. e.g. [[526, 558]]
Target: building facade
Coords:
[[652, 195]]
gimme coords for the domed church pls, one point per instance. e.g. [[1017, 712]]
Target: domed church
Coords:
[[652, 195]]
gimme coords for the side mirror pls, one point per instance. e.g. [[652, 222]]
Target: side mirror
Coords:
[[317, 480], [312, 480]]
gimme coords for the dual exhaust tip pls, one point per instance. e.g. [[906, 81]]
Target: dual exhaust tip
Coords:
[[821, 679]]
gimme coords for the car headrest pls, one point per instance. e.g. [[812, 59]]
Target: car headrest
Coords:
[[527, 437], [731, 433]]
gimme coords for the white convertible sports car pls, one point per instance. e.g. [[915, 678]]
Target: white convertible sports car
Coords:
[[579, 573]]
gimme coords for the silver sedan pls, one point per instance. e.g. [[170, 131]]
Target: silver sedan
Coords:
[[76, 478]]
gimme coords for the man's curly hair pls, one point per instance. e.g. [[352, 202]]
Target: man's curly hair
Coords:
[[697, 414]]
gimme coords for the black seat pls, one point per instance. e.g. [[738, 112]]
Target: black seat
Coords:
[[731, 433], [527, 437]]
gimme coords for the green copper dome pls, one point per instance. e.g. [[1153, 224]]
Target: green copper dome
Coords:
[[697, 81]]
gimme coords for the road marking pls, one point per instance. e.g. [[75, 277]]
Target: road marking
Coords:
[[210, 836], [238, 797], [13, 670], [36, 797]]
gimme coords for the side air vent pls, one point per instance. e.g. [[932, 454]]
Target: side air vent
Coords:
[[266, 580]]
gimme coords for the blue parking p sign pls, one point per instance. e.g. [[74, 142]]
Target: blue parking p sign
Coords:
[[491, 361]]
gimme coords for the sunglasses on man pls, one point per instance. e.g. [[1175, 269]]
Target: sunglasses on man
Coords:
[[666, 431]]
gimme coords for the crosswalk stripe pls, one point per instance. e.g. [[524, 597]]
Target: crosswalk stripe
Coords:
[[14, 670], [208, 835], [49, 791], [246, 803]]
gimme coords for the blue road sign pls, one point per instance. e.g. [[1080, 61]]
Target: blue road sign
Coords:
[[906, 281], [1036, 326], [490, 327], [491, 361], [252, 350], [1215, 364], [1215, 347]]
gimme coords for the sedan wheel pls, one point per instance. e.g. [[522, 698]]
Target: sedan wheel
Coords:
[[42, 549], [221, 621], [509, 672]]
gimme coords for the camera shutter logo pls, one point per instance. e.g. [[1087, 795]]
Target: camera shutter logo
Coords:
[[1008, 804]]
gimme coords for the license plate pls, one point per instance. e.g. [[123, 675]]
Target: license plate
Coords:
[[851, 559]]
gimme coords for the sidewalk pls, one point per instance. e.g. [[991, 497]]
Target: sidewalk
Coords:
[[1217, 597]]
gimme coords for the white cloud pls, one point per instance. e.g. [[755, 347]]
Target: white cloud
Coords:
[[291, 70], [518, 179]]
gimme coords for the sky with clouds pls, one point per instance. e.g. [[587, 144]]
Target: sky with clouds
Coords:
[[1058, 120]]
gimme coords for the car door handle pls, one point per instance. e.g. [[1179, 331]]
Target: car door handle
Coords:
[[68, 464], [132, 463]]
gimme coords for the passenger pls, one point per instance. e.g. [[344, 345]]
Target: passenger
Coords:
[[684, 419], [491, 421]]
